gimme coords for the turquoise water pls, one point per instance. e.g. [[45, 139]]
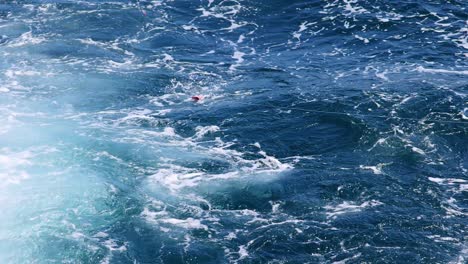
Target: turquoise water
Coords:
[[328, 132]]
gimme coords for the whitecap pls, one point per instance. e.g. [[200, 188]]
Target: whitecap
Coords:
[[422, 69], [333, 211]]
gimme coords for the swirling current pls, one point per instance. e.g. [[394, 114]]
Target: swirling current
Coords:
[[327, 131]]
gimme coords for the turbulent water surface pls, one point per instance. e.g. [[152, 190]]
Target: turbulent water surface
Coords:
[[330, 131]]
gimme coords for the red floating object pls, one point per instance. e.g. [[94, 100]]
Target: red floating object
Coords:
[[197, 98]]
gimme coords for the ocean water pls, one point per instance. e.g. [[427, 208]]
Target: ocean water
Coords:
[[329, 132]]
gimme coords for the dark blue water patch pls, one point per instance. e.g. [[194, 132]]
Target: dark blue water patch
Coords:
[[98, 26], [249, 195]]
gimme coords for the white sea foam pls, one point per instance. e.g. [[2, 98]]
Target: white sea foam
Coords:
[[344, 261], [204, 130], [136, 116], [381, 75], [13, 73], [418, 150], [375, 169], [12, 166], [422, 69], [177, 177], [464, 113], [351, 7], [156, 213], [454, 187], [168, 132], [448, 181], [302, 27], [239, 57], [452, 208], [231, 236], [188, 223], [439, 238], [101, 235], [26, 38], [112, 245], [333, 211], [243, 253], [462, 257], [275, 207], [365, 40], [389, 16]]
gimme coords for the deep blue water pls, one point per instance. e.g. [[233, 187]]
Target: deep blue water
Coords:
[[329, 131]]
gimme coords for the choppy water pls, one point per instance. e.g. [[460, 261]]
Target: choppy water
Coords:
[[330, 131]]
